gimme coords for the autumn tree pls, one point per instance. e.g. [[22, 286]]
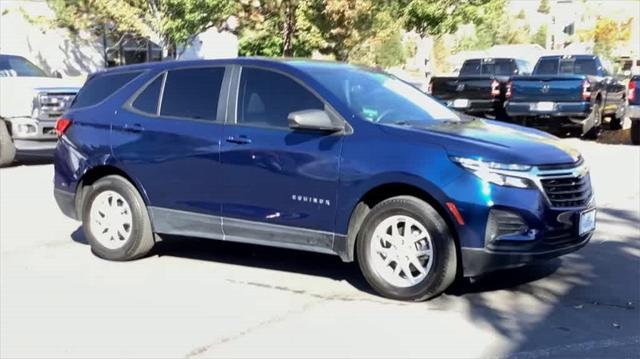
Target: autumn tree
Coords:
[[544, 7], [607, 34], [169, 23]]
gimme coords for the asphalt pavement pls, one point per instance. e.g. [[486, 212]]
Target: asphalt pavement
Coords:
[[199, 298]]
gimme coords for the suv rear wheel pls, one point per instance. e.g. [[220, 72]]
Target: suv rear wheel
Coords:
[[7, 149], [405, 250], [115, 220], [635, 131]]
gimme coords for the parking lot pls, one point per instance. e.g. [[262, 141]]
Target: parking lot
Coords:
[[198, 298]]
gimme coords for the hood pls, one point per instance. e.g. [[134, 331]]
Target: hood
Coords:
[[499, 142], [17, 93]]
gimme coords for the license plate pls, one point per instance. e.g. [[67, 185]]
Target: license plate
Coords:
[[545, 106], [587, 221], [460, 103]]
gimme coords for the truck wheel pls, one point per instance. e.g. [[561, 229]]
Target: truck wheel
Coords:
[[616, 122], [7, 149], [115, 220], [635, 131], [405, 250], [594, 132]]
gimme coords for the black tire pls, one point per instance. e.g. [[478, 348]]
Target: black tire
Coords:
[[140, 240], [7, 149], [594, 132], [444, 266], [635, 131], [616, 121]]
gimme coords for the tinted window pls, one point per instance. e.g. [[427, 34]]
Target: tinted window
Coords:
[[266, 98], [147, 100], [499, 67], [100, 87], [471, 67], [192, 93], [380, 98], [546, 67], [19, 66]]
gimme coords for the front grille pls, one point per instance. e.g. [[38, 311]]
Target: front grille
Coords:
[[52, 105], [568, 191]]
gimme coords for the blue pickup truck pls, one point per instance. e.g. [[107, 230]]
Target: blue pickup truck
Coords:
[[315, 156], [567, 94]]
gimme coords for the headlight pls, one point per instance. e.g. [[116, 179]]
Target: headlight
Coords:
[[497, 173]]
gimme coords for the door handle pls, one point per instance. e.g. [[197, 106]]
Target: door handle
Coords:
[[241, 140], [136, 127]]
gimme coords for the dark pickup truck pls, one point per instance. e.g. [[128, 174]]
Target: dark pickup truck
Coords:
[[480, 87], [567, 94]]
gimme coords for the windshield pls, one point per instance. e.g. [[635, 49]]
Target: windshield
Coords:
[[379, 97], [19, 66]]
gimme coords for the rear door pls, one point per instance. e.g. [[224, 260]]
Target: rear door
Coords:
[[167, 137]]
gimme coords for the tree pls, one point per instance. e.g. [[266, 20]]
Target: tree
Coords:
[[439, 17], [540, 37], [606, 35], [169, 23], [544, 7]]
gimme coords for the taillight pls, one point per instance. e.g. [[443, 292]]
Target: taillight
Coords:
[[633, 88], [62, 124], [586, 90], [430, 87], [508, 92], [495, 88]]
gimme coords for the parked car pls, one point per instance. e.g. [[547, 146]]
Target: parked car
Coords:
[[316, 156], [567, 94], [633, 111], [480, 87], [30, 103]]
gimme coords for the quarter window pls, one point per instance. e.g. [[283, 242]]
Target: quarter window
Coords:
[[99, 87], [266, 98], [147, 100], [192, 93]]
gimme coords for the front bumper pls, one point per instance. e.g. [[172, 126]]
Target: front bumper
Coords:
[[33, 137], [508, 227], [477, 261]]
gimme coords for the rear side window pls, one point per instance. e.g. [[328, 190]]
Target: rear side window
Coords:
[[192, 93], [546, 67], [100, 87], [579, 67], [471, 67], [266, 98], [147, 100]]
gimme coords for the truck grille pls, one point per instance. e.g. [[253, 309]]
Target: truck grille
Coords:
[[568, 191], [53, 104]]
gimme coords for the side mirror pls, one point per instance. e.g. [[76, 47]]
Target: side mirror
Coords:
[[317, 120], [57, 74]]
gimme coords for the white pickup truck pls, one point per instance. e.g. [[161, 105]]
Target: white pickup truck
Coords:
[[30, 103]]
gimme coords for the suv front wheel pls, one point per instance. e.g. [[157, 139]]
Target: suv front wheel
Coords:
[[115, 220], [405, 250]]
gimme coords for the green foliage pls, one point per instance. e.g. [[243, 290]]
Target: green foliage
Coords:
[[540, 37], [496, 27], [168, 22], [438, 17], [544, 7], [606, 35]]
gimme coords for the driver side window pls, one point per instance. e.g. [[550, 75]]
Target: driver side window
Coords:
[[266, 98]]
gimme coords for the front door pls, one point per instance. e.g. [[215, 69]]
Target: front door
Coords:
[[279, 184]]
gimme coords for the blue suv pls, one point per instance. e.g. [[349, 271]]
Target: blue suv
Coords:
[[316, 156]]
